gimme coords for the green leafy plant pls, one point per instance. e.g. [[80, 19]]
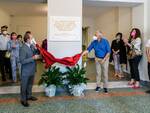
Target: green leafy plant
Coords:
[[51, 77], [76, 75]]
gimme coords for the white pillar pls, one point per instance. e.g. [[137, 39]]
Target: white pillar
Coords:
[[146, 37], [140, 19], [64, 27]]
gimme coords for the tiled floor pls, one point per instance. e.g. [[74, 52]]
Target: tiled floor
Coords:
[[117, 101]]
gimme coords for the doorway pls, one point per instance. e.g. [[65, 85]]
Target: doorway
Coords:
[[111, 18]]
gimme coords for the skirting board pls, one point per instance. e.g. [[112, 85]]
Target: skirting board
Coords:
[[36, 88]]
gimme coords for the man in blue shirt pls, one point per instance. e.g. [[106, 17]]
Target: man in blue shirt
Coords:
[[102, 52]]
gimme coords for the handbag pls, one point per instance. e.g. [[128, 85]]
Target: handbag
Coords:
[[133, 53], [8, 54]]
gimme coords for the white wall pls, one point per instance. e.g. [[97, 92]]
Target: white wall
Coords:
[[128, 1], [36, 24], [109, 22], [4, 19], [72, 9], [90, 23], [124, 20], [147, 5], [138, 17]]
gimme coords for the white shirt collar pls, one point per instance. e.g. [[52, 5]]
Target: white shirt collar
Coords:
[[27, 44]]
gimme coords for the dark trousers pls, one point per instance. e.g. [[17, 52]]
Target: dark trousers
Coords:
[[5, 65], [149, 70], [134, 64], [2, 64], [8, 68], [26, 87]]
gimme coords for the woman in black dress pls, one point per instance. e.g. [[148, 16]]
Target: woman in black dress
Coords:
[[118, 54]]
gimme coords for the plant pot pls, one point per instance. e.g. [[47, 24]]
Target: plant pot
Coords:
[[77, 90], [50, 91]]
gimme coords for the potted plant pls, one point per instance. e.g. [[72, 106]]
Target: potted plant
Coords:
[[76, 80], [51, 79]]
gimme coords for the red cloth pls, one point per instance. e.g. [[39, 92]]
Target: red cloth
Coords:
[[50, 59]]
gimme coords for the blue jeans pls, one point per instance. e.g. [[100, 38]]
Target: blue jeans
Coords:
[[117, 65], [14, 64]]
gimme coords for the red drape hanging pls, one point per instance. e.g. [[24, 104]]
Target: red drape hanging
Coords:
[[50, 59]]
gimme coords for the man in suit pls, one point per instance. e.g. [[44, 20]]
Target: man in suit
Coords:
[[28, 68]]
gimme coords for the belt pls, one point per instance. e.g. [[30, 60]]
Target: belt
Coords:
[[98, 59]]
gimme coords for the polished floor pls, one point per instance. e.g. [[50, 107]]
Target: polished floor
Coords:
[[124, 100], [117, 101]]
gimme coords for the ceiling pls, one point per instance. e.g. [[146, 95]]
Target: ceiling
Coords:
[[24, 7], [109, 3], [94, 11], [39, 7], [92, 8], [25, 1]]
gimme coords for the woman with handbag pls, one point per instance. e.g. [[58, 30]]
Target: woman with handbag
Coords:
[[134, 55], [13, 48]]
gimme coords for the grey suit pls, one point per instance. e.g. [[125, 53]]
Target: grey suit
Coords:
[[28, 68]]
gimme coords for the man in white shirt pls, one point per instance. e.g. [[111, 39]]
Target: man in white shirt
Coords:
[[4, 62], [148, 58]]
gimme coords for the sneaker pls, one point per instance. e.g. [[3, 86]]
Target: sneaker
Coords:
[[97, 89], [106, 90]]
